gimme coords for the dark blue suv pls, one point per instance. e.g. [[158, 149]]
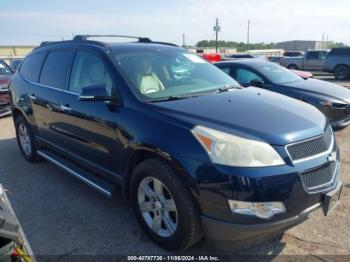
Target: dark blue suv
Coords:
[[196, 153]]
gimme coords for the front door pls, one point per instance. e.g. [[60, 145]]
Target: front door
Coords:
[[90, 127]]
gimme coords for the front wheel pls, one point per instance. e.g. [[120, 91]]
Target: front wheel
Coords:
[[164, 205]]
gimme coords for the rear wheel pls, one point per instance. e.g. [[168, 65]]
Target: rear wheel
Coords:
[[341, 72], [164, 206], [25, 139]]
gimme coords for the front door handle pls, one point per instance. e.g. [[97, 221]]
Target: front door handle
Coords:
[[65, 108], [32, 97]]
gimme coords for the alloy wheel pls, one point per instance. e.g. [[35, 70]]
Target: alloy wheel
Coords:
[[24, 139], [157, 207]]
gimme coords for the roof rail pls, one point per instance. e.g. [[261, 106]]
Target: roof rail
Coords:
[[85, 37], [46, 43], [140, 39]]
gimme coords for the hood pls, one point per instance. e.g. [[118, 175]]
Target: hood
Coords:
[[250, 112], [322, 88]]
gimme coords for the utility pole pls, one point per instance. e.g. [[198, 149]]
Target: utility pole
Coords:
[[183, 40], [248, 32], [322, 40], [217, 30]]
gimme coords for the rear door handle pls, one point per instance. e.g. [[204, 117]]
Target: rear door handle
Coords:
[[65, 108]]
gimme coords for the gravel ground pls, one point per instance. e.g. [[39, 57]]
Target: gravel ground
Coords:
[[62, 216]]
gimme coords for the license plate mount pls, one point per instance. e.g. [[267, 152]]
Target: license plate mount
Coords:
[[331, 200], [4, 100]]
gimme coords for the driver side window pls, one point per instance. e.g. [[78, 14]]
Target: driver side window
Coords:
[[89, 70], [245, 76]]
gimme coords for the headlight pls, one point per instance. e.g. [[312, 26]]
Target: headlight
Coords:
[[264, 210], [231, 150], [4, 87]]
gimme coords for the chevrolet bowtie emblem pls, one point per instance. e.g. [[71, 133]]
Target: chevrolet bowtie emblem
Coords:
[[332, 157]]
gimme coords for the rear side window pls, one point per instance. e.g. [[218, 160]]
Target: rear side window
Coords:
[[313, 55], [56, 69], [31, 66], [340, 52]]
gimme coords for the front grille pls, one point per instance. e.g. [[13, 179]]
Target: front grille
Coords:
[[319, 178], [310, 147]]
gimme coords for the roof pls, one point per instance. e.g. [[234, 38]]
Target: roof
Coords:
[[143, 42]]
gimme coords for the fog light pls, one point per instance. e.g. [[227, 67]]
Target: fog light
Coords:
[[263, 210]]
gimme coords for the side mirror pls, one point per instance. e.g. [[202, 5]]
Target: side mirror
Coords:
[[256, 83], [95, 93]]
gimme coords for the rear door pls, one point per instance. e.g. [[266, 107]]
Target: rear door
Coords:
[[51, 95]]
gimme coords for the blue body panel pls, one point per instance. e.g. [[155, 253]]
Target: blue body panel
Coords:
[[105, 137]]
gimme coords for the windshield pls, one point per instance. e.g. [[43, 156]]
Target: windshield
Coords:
[[160, 74], [277, 74], [4, 69]]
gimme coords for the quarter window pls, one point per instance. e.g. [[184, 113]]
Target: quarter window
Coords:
[[89, 70], [55, 72], [31, 66]]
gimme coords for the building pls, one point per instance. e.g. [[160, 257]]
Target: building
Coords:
[[301, 45], [211, 50], [12, 52], [266, 52]]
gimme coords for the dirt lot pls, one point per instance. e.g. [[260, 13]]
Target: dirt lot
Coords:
[[62, 216]]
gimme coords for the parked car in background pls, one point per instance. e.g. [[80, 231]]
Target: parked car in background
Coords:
[[293, 53], [15, 63], [275, 59], [197, 154], [240, 56], [4, 68], [333, 100], [338, 63], [212, 57], [311, 60], [5, 76]]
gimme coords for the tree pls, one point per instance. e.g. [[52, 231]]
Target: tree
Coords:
[[240, 46]]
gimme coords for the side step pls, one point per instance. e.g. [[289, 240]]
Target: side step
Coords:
[[94, 182]]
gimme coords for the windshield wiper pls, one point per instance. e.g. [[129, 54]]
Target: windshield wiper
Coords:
[[227, 88], [169, 98]]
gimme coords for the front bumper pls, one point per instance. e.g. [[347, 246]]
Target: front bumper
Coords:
[[227, 235], [338, 117], [5, 110]]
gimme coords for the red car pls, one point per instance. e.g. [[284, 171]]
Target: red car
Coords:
[[303, 74], [5, 77], [212, 58]]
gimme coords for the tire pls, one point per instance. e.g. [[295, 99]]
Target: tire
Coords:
[[25, 139], [185, 221], [341, 72], [292, 67]]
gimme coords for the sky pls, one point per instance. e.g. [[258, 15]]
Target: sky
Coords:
[[29, 22]]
